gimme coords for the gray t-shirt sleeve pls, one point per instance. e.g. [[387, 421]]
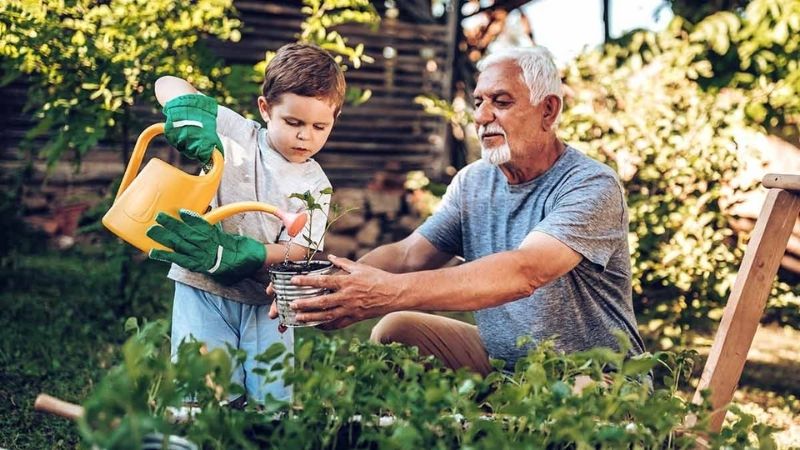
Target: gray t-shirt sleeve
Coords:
[[589, 217], [234, 126], [443, 228]]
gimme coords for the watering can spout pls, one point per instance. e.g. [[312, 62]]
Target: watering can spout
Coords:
[[294, 222]]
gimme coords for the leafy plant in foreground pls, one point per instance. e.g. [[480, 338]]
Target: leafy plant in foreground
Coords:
[[362, 395]]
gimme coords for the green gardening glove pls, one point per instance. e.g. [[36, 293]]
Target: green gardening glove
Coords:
[[202, 247], [191, 126]]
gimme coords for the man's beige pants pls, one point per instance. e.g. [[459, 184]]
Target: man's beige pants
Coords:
[[455, 343]]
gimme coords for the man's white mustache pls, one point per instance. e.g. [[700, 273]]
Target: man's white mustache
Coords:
[[482, 132]]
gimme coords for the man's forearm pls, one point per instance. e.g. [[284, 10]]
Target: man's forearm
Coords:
[[486, 282], [491, 280], [413, 253]]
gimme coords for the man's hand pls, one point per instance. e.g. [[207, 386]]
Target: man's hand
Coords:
[[191, 126], [202, 247], [327, 326], [359, 292]]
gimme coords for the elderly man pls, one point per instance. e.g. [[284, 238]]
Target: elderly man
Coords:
[[542, 228]]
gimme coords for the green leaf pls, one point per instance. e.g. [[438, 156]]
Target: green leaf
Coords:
[[304, 352], [271, 353], [131, 325], [638, 366]]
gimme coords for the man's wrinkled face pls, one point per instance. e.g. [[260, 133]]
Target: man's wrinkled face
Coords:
[[509, 126]]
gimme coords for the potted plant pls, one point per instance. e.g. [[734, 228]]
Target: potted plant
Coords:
[[281, 274]]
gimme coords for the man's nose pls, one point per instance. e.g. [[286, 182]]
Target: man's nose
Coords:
[[483, 115]]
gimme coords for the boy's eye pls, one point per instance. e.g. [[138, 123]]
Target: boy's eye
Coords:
[[292, 123], [319, 127]]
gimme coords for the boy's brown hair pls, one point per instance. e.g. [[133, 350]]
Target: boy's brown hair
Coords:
[[306, 70]]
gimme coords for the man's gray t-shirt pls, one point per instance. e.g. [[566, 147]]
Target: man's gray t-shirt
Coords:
[[578, 201]]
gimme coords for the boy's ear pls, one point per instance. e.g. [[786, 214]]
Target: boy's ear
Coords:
[[263, 108]]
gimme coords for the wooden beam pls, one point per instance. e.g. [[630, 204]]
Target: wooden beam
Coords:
[[747, 300], [782, 181]]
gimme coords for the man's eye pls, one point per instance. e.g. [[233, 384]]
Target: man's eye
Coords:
[[478, 104], [501, 103]]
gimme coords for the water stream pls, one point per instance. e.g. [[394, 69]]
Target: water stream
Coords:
[[286, 255]]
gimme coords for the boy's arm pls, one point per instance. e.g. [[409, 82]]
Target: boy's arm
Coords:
[[169, 87], [276, 252], [202, 247], [190, 123], [275, 255]]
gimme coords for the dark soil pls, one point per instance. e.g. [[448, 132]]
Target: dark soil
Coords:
[[302, 267]]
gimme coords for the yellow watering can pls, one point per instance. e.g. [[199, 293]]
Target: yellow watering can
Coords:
[[162, 187]]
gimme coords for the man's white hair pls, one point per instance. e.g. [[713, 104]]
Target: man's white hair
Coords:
[[539, 71]]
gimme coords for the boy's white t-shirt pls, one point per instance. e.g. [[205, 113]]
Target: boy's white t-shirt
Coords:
[[255, 172]]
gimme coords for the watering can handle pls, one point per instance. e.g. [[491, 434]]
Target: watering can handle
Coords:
[[141, 147]]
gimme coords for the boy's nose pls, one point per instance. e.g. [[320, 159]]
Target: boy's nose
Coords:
[[302, 135]]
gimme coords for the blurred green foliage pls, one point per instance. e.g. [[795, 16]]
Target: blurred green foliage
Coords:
[[695, 11], [758, 51], [322, 15], [362, 395], [88, 61]]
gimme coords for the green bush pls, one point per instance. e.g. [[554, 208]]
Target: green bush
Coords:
[[87, 62], [362, 395], [757, 51]]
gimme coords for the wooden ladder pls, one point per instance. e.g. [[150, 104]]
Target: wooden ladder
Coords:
[[749, 294]]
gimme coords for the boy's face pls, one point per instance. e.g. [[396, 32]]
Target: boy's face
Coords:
[[298, 126]]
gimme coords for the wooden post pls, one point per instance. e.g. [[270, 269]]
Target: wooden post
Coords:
[[749, 294]]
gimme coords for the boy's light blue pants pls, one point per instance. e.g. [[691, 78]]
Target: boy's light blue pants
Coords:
[[216, 321]]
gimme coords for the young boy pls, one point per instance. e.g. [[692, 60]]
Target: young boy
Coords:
[[220, 277]]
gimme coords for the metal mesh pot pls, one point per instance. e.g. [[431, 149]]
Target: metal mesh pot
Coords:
[[286, 292]]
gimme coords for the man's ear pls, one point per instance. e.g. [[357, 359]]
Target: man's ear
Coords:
[[263, 108], [550, 111]]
